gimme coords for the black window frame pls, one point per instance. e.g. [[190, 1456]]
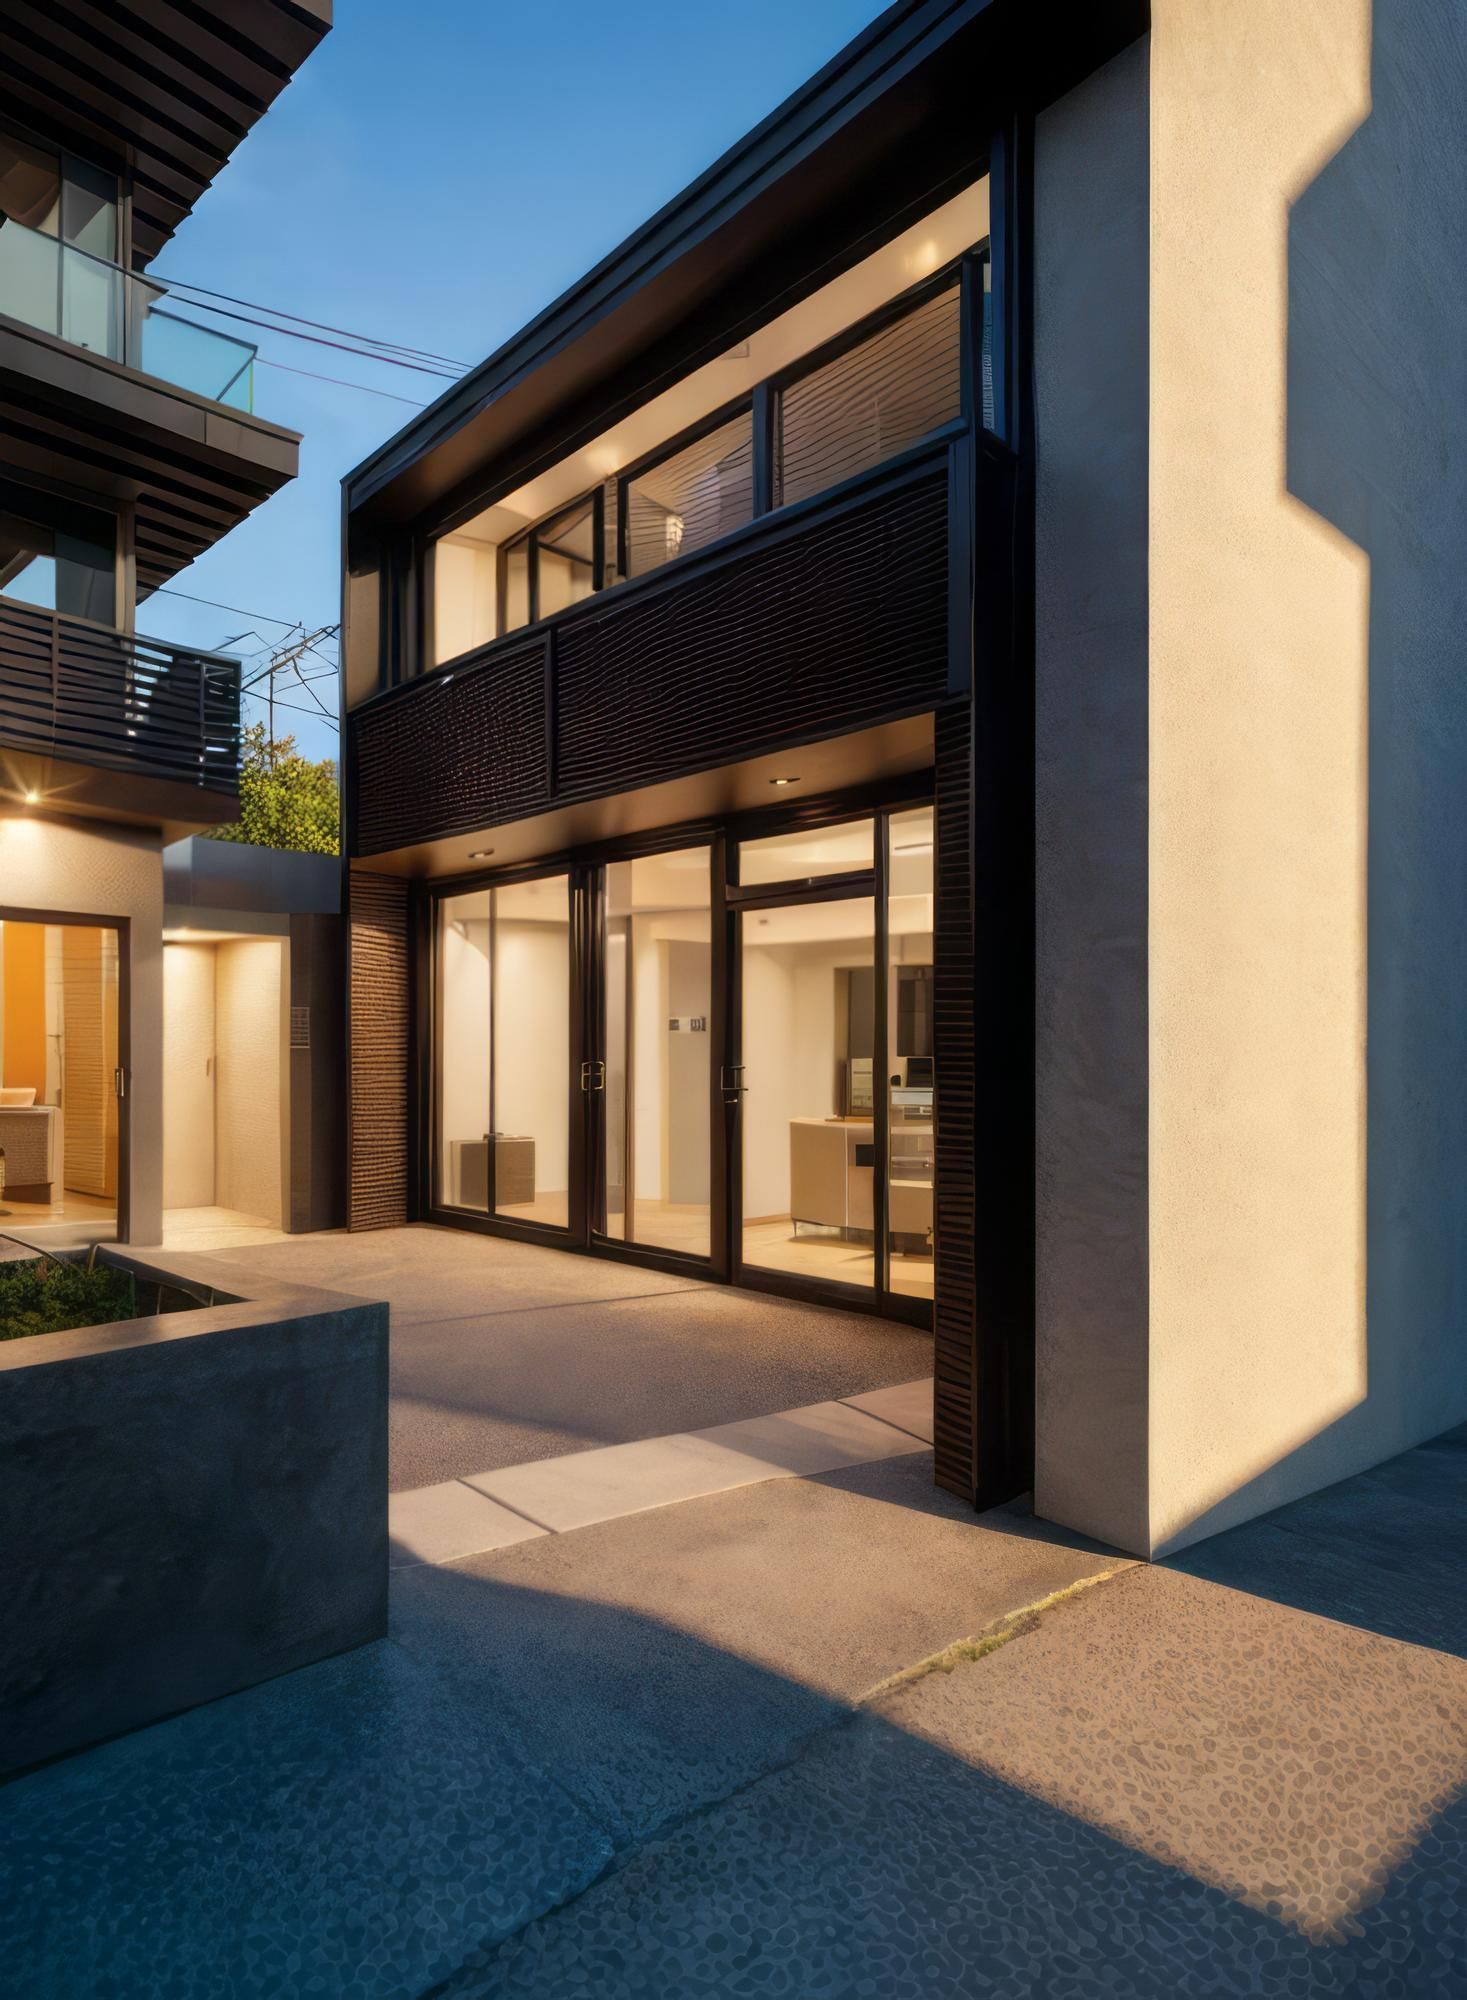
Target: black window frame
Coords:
[[659, 455], [530, 538]]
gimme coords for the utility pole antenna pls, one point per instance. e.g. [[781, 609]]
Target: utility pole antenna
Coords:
[[297, 656]]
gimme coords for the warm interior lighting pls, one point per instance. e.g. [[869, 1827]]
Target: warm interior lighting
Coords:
[[480, 853], [784, 781], [31, 797]]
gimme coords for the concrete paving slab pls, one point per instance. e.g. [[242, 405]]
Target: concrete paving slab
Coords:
[[351, 1829], [1165, 1788], [908, 1405], [437, 1523], [663, 1658], [508, 1352], [590, 1486]]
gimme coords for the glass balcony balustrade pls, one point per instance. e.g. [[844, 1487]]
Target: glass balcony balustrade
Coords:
[[94, 304]]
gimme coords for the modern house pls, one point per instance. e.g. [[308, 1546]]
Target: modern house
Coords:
[[129, 444], [897, 735]]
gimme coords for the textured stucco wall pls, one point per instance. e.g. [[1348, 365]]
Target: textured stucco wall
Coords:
[[1308, 714], [1090, 672], [191, 1505], [250, 1032], [1305, 1137], [86, 868]]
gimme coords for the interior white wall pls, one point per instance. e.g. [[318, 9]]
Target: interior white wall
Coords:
[[531, 1026], [791, 1017], [465, 595], [250, 1002], [188, 1075], [463, 1109]]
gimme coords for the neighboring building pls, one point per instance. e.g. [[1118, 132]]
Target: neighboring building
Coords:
[[897, 733], [128, 446]]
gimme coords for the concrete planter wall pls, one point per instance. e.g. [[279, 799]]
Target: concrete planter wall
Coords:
[[190, 1504]]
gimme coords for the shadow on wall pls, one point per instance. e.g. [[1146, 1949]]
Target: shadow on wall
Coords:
[[1376, 440]]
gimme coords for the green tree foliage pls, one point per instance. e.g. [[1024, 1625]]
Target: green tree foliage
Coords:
[[284, 799], [49, 1296]]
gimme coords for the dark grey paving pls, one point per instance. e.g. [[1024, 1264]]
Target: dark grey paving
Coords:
[[350, 1830], [1165, 1790], [505, 1352], [1386, 1550]]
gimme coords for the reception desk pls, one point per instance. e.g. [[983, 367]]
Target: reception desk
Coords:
[[832, 1168]]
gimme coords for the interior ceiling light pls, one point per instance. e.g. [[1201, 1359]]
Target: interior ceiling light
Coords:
[[480, 853], [784, 781], [31, 797]]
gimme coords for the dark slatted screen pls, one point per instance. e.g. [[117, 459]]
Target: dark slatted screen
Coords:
[[826, 630], [953, 1046], [871, 402], [380, 1015], [453, 755], [71, 689], [690, 499]]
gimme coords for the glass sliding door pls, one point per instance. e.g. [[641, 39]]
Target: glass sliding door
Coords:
[[530, 942], [658, 996], [502, 1051], [462, 1043], [808, 993]]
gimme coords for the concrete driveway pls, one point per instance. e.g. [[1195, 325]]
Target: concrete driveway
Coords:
[[816, 1735], [506, 1352]]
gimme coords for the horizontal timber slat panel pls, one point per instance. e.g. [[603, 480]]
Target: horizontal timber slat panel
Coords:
[[82, 693], [801, 628], [380, 1001]]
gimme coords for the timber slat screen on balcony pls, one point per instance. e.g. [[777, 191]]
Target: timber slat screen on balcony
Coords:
[[833, 622], [84, 694]]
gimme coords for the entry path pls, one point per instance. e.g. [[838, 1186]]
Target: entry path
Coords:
[[506, 1353], [495, 1510]]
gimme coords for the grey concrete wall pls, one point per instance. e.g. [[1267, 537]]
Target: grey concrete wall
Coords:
[[190, 1505], [1091, 249]]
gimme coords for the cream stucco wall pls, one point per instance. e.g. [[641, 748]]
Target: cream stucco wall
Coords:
[[250, 1002], [1252, 1269], [84, 868], [188, 1075]]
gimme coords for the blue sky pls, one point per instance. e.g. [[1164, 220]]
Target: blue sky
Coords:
[[435, 174]]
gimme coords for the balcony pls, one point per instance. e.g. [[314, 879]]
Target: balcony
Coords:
[[90, 303], [78, 698]]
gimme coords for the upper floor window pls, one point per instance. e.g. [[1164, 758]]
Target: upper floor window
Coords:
[[863, 368], [888, 391], [689, 498], [58, 245], [57, 555]]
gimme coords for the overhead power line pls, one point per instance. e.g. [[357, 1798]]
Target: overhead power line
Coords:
[[411, 401], [321, 326]]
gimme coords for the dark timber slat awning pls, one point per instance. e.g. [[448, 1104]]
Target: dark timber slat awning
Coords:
[[181, 84]]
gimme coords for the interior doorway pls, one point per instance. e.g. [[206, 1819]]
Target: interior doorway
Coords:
[[63, 1060]]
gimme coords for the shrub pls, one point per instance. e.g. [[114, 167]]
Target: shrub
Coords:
[[45, 1295]]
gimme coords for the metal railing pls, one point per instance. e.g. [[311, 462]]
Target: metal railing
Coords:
[[97, 305], [73, 690]]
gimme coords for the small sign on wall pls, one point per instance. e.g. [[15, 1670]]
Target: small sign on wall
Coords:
[[688, 1024]]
